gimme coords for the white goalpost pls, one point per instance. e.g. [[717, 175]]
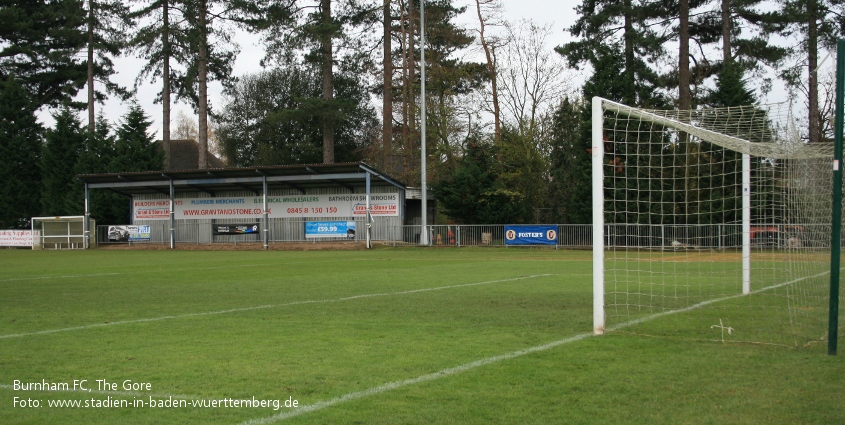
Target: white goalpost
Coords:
[[716, 217]]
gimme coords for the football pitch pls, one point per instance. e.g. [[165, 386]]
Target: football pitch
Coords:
[[385, 336]]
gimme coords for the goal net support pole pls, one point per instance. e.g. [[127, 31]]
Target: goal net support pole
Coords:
[[836, 240], [746, 223], [597, 153]]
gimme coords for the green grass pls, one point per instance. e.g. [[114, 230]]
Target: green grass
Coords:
[[383, 336]]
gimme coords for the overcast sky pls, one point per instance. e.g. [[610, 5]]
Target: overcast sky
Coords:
[[559, 13]]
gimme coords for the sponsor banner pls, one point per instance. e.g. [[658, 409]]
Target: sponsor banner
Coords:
[[16, 237], [234, 229], [129, 233], [151, 210], [530, 235], [330, 229], [299, 206]]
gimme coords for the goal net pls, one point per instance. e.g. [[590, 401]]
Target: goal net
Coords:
[[710, 224]]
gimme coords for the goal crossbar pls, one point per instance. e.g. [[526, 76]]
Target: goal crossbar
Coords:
[[656, 174]]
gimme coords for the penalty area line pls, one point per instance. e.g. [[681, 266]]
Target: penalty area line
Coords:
[[490, 360], [420, 379], [263, 307]]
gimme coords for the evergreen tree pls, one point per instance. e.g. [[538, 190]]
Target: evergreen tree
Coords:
[[523, 171], [161, 43], [731, 88], [98, 152], [135, 148], [21, 139], [745, 27], [106, 27], [39, 40], [106, 207], [321, 28], [475, 194], [268, 118], [631, 33], [570, 190], [815, 25], [62, 193]]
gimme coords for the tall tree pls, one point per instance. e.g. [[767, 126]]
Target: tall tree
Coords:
[[135, 149], [569, 189], [632, 30], [21, 139], [489, 14], [322, 29], [97, 156], [387, 81], [742, 29], [746, 26], [159, 40], [474, 194], [61, 192], [532, 81], [684, 94], [448, 79], [326, 31], [817, 24], [211, 55], [269, 118], [107, 22], [39, 40]]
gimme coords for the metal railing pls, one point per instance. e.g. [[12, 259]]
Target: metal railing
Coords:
[[573, 236], [645, 236]]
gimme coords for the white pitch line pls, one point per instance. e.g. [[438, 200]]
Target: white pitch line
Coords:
[[146, 270], [420, 379], [490, 360], [262, 307], [58, 277], [708, 302]]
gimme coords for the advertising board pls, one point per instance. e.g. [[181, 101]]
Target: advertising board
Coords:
[[530, 235], [330, 229]]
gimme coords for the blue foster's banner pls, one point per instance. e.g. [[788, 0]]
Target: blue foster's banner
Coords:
[[330, 229], [530, 235]]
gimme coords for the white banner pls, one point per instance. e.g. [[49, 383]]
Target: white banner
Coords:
[[299, 206], [16, 238]]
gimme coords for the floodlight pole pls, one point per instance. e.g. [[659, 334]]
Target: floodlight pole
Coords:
[[368, 216], [266, 224], [836, 238], [86, 222], [172, 215], [423, 178]]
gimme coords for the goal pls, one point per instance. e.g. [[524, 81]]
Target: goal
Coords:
[[710, 224], [60, 232]]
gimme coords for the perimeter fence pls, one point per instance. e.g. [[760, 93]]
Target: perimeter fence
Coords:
[[573, 236]]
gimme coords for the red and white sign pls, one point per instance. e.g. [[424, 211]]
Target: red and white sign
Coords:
[[295, 206], [16, 238]]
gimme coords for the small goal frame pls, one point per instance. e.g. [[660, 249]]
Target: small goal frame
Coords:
[[60, 232]]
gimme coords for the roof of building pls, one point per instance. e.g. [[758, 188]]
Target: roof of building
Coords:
[[184, 155], [299, 177]]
